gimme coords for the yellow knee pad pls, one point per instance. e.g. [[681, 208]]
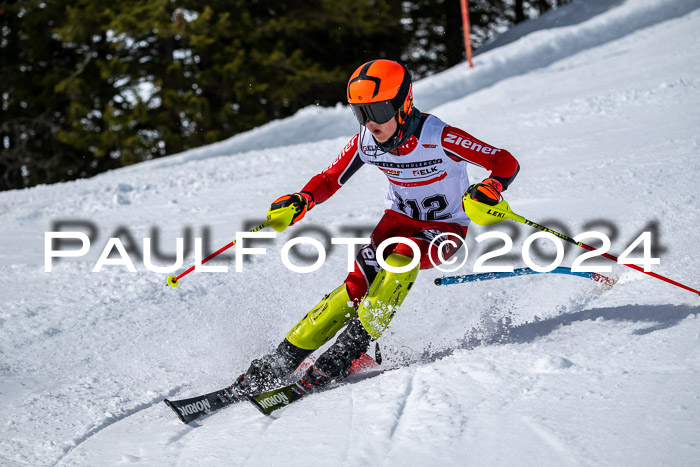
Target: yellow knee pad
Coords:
[[385, 295], [323, 321]]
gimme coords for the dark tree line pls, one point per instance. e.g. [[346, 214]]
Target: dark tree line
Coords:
[[88, 85]]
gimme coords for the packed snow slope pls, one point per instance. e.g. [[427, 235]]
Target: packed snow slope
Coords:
[[603, 113]]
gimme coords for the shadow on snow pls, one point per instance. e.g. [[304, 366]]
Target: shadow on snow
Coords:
[[658, 317]]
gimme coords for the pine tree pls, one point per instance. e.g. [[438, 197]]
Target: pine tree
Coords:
[[89, 86]]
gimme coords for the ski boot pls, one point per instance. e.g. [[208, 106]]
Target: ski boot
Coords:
[[335, 362], [267, 373]]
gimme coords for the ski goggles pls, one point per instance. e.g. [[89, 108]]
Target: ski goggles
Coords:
[[378, 112]]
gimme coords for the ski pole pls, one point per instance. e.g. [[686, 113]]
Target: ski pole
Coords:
[[484, 214], [606, 281], [278, 219]]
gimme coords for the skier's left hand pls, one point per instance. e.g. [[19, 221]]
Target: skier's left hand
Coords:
[[487, 192]]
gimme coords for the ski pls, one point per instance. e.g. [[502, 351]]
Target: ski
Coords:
[[606, 282], [190, 409], [268, 402]]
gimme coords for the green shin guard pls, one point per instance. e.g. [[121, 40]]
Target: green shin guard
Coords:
[[323, 321], [385, 295]]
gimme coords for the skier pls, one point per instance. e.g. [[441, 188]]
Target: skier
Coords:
[[424, 160]]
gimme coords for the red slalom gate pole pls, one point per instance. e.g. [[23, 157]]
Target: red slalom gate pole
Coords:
[[466, 27]]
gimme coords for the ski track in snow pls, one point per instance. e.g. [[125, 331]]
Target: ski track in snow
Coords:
[[116, 419], [599, 101], [551, 440], [403, 403]]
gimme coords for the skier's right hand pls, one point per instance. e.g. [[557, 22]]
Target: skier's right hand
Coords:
[[302, 202]]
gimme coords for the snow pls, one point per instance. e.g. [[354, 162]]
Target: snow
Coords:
[[599, 101]]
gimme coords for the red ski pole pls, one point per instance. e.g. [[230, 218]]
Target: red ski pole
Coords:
[[483, 214], [278, 219]]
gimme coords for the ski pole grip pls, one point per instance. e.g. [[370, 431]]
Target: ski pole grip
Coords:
[[279, 219]]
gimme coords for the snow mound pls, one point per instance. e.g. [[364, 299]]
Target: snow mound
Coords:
[[552, 364]]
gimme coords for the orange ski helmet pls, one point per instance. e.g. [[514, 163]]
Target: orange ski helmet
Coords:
[[379, 90]]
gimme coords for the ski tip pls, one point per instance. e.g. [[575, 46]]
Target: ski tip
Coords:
[[606, 283], [177, 412]]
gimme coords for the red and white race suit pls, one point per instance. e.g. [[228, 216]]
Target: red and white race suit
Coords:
[[427, 179], [427, 174]]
